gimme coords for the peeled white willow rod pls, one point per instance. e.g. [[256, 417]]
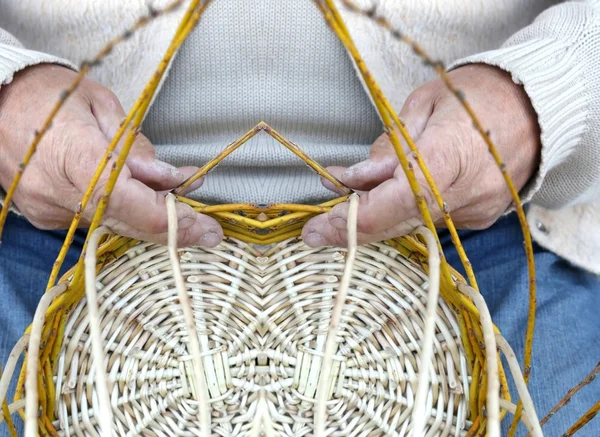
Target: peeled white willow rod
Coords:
[[105, 416], [184, 300], [11, 364], [491, 357], [336, 315], [262, 422], [33, 356], [418, 414], [515, 370], [512, 409], [13, 408]]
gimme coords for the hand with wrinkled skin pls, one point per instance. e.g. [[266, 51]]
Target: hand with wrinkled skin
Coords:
[[467, 176], [58, 174]]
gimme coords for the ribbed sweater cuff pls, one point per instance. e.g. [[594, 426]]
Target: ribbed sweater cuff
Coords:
[[14, 59], [549, 73]]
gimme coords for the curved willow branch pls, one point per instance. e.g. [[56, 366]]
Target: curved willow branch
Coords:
[[336, 315], [64, 96], [371, 13]]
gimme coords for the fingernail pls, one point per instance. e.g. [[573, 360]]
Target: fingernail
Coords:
[[314, 239], [210, 239]]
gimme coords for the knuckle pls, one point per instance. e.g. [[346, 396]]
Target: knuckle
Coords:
[[109, 98]]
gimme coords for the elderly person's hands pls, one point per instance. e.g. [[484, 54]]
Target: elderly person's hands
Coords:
[[69, 153], [458, 158]]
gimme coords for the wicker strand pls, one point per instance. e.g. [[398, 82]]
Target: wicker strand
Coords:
[[512, 409], [439, 68], [186, 306], [340, 301], [11, 364], [493, 379], [525, 398], [262, 423], [102, 387], [419, 415], [13, 408], [31, 381]]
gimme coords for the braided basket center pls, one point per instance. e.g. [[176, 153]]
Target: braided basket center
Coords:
[[262, 319]]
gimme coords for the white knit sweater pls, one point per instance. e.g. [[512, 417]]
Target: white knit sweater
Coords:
[[555, 57]]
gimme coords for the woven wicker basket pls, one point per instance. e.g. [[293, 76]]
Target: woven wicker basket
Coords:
[[264, 335], [262, 316]]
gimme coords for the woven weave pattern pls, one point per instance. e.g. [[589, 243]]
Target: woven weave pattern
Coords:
[[262, 320]]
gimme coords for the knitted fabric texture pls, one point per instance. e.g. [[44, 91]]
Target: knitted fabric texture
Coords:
[[281, 65]]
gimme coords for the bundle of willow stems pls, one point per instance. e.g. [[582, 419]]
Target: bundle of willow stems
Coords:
[[47, 339]]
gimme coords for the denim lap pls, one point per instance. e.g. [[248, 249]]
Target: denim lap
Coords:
[[567, 339]]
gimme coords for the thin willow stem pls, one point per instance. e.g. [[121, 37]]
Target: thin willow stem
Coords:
[[194, 12], [525, 398], [512, 408], [105, 416], [188, 315], [11, 364], [31, 381], [68, 92], [263, 127], [419, 415], [567, 398], [13, 408], [336, 315], [493, 379], [584, 420]]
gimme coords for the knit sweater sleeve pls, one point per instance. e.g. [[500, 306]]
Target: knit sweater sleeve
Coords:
[[14, 58], [556, 59]]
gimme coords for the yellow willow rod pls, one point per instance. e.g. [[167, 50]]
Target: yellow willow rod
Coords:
[[58, 263], [273, 208], [262, 126], [584, 420], [439, 68], [139, 117], [318, 168], [100, 169], [7, 417], [338, 26], [65, 94], [383, 107], [434, 190], [203, 171]]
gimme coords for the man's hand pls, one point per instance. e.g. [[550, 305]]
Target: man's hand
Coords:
[[456, 155], [69, 153]]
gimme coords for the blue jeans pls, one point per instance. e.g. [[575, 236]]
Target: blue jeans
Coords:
[[567, 341]]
